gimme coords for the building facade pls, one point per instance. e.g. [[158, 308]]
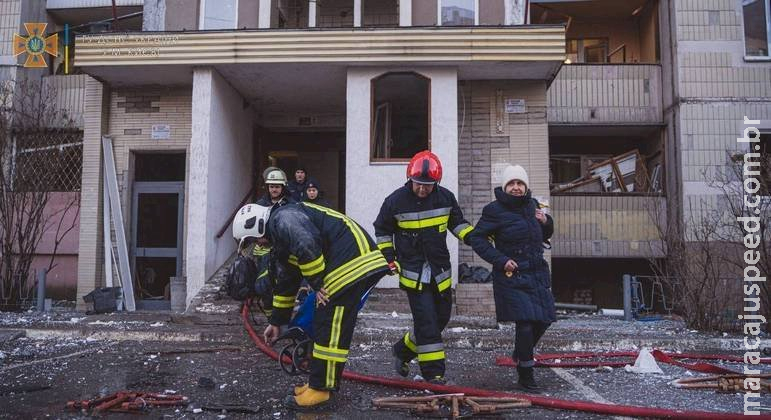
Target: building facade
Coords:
[[613, 107]]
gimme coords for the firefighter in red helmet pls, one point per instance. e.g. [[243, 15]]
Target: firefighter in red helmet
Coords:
[[411, 231]]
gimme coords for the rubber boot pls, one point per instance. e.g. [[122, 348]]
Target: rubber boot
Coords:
[[311, 399], [401, 367], [526, 380], [300, 389]]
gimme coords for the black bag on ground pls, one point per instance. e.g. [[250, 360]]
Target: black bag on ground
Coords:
[[474, 274], [239, 282]]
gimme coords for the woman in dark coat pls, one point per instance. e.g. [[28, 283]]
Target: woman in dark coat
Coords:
[[521, 279]]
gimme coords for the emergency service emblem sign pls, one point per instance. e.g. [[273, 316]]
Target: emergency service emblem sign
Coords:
[[36, 45]]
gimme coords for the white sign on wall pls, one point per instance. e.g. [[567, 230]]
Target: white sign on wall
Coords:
[[161, 131], [515, 106]]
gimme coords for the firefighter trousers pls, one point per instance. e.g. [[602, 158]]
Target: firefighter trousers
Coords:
[[430, 314], [333, 326]]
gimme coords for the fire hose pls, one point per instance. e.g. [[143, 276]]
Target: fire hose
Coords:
[[545, 402]]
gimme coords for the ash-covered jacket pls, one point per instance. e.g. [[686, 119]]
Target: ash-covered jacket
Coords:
[[325, 247], [412, 231], [524, 295]]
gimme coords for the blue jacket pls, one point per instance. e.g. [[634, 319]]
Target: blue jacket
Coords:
[[511, 224]]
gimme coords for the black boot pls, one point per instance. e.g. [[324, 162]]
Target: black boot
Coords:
[[526, 380], [400, 366]]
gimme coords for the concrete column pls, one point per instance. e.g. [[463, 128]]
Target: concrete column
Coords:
[[311, 13], [265, 14], [356, 13], [219, 175], [90, 256], [405, 12]]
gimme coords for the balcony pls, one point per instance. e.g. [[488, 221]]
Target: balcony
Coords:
[[606, 94], [607, 226], [69, 94]]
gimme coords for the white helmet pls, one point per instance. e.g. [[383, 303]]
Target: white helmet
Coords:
[[276, 176], [251, 221]]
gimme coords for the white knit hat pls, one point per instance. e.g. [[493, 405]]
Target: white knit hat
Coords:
[[514, 172]]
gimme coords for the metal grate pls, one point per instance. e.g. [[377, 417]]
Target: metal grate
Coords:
[[47, 160]]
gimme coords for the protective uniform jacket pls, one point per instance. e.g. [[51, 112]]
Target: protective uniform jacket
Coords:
[[413, 231], [265, 200], [325, 247], [524, 295]]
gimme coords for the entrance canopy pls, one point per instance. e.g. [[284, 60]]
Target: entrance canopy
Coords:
[[258, 62]]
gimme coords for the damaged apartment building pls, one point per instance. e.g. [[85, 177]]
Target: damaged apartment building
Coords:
[[614, 107]]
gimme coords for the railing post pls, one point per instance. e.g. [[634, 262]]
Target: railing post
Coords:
[[628, 316], [41, 290]]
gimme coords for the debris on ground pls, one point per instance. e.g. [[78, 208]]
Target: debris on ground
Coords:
[[645, 363], [127, 402], [451, 405], [726, 383]]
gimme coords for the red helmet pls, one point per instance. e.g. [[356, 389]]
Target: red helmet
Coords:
[[425, 168]]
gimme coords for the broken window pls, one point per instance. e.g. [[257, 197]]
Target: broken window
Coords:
[[458, 12], [757, 26], [588, 50], [220, 14], [399, 125]]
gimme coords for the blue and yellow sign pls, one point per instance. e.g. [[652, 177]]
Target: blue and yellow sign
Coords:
[[36, 45]]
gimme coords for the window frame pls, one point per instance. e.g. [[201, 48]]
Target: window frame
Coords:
[[202, 17], [373, 110], [766, 57], [439, 13]]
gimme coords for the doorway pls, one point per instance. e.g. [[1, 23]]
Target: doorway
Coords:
[[157, 209]]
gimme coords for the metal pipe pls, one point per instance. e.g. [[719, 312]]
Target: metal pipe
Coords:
[[576, 306], [628, 316], [41, 290]]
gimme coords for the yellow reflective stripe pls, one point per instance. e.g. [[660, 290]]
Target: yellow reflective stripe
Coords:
[[355, 230], [428, 357], [264, 273], [314, 267], [343, 269], [412, 284], [410, 345], [260, 251], [334, 339], [353, 276], [283, 301], [327, 353], [293, 260], [384, 245], [464, 232], [424, 223], [444, 284], [339, 352]]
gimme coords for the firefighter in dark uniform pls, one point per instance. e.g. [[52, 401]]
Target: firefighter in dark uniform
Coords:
[[411, 232], [339, 260]]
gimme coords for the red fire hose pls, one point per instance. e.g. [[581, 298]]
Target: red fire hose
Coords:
[[659, 355], [610, 409]]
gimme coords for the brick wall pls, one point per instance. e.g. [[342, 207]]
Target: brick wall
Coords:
[[475, 300], [717, 88]]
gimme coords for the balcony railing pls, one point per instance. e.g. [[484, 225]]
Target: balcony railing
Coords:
[[606, 226], [69, 95], [606, 94]]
